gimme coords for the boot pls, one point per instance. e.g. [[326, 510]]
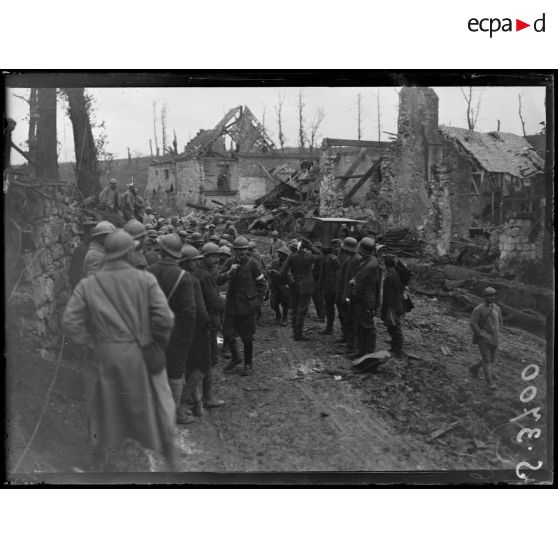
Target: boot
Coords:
[[197, 380], [284, 320], [183, 416], [208, 399], [235, 356], [277, 318], [248, 370]]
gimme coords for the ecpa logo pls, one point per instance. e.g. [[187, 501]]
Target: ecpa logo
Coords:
[[494, 24]]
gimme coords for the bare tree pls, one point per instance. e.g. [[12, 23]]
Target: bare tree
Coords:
[[33, 102], [301, 132], [472, 111], [498, 121], [314, 128], [378, 114], [279, 113], [164, 112], [521, 114], [155, 128], [359, 116], [87, 166], [174, 143], [150, 147]]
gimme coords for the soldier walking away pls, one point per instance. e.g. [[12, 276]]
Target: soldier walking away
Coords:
[[109, 199], [327, 278], [244, 297], [178, 287], [349, 267], [364, 298], [110, 312], [95, 254], [317, 294], [300, 264], [214, 304], [280, 289], [486, 323], [138, 232], [392, 305]]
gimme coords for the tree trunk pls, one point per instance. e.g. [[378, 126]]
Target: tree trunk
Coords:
[[87, 167], [45, 156], [33, 118]]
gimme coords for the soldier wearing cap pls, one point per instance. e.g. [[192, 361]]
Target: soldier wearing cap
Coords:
[[299, 264], [350, 261], [274, 244], [110, 312], [486, 323], [138, 232], [244, 297], [279, 298], [364, 297], [179, 290], [214, 304], [95, 254], [108, 198]]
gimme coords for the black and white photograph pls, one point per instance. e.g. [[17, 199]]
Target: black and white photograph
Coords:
[[279, 277]]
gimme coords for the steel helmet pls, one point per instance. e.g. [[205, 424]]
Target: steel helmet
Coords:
[[152, 233], [118, 244], [367, 246], [223, 242], [196, 236], [189, 253], [209, 249], [275, 233], [211, 225], [214, 238], [489, 291], [225, 250], [113, 181], [283, 250], [240, 243], [102, 227], [350, 244], [183, 234], [171, 244], [135, 228], [293, 243], [251, 245]]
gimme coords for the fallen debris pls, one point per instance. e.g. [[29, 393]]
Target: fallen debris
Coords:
[[444, 430]]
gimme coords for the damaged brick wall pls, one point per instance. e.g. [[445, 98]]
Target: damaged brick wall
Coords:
[[41, 231], [517, 242]]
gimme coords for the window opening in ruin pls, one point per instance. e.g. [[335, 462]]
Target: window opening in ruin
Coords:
[[223, 178], [166, 173]]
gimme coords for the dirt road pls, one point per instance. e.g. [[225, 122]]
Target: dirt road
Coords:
[[305, 410]]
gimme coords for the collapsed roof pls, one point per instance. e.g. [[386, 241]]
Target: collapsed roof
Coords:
[[497, 152], [241, 126]]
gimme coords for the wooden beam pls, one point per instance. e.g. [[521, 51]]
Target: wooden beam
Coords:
[[348, 176], [330, 142], [352, 168], [361, 183]]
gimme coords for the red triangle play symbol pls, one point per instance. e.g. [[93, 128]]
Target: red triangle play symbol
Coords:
[[519, 25]]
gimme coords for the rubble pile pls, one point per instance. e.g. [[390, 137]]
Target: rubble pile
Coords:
[[402, 242]]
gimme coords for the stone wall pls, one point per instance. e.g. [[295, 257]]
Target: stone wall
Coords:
[[41, 230], [517, 243]]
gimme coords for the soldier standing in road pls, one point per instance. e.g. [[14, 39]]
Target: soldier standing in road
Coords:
[[109, 312], [364, 298], [275, 244], [486, 323], [244, 297], [300, 265], [279, 298], [329, 268], [95, 254], [214, 304], [137, 231], [318, 295], [178, 288], [392, 305]]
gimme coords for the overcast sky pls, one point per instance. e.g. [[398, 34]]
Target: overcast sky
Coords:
[[128, 113]]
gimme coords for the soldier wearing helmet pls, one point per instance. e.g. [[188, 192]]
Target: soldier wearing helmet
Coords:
[[109, 199], [196, 240], [152, 252], [364, 298], [138, 232], [274, 244], [230, 230], [486, 323], [246, 288], [210, 231], [179, 290], [279, 296], [299, 264], [111, 312], [128, 202], [214, 304], [350, 260], [327, 280], [96, 252]]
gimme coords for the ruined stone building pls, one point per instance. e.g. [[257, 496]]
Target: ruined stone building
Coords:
[[230, 162], [441, 181]]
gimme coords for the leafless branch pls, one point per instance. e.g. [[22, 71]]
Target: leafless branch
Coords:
[[521, 114]]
